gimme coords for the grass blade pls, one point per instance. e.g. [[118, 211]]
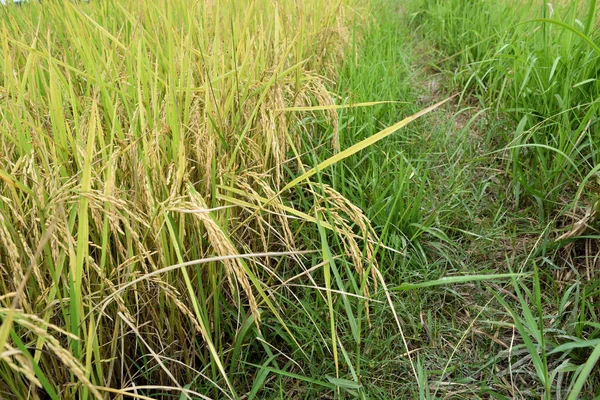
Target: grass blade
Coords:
[[362, 145]]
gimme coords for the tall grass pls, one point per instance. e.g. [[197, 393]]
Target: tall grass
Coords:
[[538, 64], [532, 68]]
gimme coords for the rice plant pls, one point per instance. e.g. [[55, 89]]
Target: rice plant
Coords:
[[138, 137], [152, 238]]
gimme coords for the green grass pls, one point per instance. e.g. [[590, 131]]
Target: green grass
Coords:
[[449, 193], [274, 200], [536, 64]]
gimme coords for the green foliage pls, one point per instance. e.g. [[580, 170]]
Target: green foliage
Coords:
[[538, 65]]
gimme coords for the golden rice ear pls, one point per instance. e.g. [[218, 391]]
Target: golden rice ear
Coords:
[[222, 246], [288, 239], [343, 212], [32, 323], [20, 364], [11, 250]]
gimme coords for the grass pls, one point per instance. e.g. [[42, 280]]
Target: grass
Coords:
[[536, 64], [526, 69], [285, 200]]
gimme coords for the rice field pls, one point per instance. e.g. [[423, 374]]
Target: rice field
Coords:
[[299, 199]]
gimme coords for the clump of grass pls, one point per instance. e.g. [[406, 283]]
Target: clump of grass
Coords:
[[537, 64], [532, 69]]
